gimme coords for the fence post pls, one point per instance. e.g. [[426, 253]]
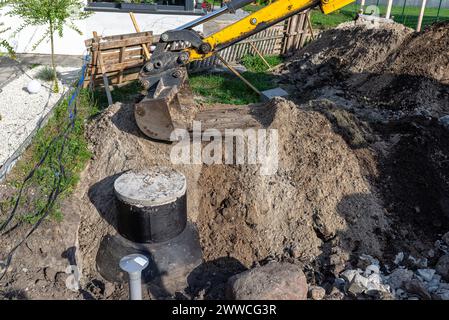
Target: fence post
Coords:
[[438, 12], [390, 4], [421, 15], [403, 11]]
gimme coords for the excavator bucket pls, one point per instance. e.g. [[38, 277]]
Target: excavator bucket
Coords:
[[166, 107]]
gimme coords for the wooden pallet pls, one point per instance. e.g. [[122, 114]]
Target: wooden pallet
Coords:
[[119, 57]]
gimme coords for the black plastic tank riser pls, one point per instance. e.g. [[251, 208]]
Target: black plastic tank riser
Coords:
[[152, 224]]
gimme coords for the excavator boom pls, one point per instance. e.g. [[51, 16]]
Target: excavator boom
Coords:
[[168, 103]]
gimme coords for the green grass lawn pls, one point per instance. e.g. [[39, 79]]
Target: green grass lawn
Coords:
[[407, 16], [326, 21], [74, 156], [227, 88]]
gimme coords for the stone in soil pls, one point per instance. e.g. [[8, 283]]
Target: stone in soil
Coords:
[[274, 281], [317, 293], [442, 266], [399, 277]]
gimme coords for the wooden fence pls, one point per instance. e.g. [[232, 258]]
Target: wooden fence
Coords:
[[121, 57], [282, 38]]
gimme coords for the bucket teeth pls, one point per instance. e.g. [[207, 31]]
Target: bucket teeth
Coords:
[[168, 107]]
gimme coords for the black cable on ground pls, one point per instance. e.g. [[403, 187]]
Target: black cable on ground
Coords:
[[59, 172]]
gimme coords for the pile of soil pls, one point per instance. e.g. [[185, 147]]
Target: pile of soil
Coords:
[[363, 168], [317, 196], [384, 65], [384, 87], [414, 183]]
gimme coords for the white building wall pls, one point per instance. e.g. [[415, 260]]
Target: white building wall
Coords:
[[105, 23]]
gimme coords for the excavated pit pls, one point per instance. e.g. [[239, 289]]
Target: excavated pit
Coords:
[[317, 198], [363, 167]]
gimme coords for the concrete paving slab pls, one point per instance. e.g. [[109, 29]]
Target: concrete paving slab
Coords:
[[271, 93]]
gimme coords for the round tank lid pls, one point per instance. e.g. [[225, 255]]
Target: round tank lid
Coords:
[[152, 187]]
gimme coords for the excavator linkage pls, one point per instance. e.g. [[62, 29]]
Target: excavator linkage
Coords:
[[168, 103], [170, 106]]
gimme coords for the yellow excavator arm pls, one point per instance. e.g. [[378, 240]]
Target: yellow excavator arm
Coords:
[[267, 16], [168, 103]]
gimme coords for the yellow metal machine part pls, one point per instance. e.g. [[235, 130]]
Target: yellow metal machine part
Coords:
[[328, 6], [168, 104], [274, 12]]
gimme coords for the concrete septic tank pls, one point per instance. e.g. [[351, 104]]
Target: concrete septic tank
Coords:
[[152, 205], [152, 220]]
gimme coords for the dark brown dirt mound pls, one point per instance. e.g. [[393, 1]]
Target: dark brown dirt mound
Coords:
[[415, 184], [414, 77], [317, 197], [351, 48], [384, 65], [423, 54]]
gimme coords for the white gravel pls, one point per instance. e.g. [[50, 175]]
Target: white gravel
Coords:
[[21, 112]]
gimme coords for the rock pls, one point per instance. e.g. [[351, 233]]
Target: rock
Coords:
[[442, 267], [317, 293], [426, 274], [399, 257], [375, 284], [349, 274], [372, 268], [417, 287], [421, 263], [435, 280], [441, 294], [109, 289], [339, 283], [445, 238], [60, 280], [273, 281], [375, 279], [335, 294], [366, 260], [337, 261], [445, 122], [358, 285], [50, 274], [398, 277], [400, 294]]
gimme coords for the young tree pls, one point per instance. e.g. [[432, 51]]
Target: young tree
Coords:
[[55, 15], [3, 43]]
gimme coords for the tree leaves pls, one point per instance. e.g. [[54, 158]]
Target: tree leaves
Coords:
[[49, 13], [54, 15]]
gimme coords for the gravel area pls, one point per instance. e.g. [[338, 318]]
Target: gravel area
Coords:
[[21, 113]]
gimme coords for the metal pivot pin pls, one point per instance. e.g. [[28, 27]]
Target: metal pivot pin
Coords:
[[133, 264]]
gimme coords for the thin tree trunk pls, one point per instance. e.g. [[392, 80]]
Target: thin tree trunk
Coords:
[[53, 65]]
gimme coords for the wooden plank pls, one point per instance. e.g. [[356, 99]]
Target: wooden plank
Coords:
[[121, 59], [102, 70], [128, 75], [119, 37], [114, 57], [122, 43], [136, 26], [93, 66], [123, 65]]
